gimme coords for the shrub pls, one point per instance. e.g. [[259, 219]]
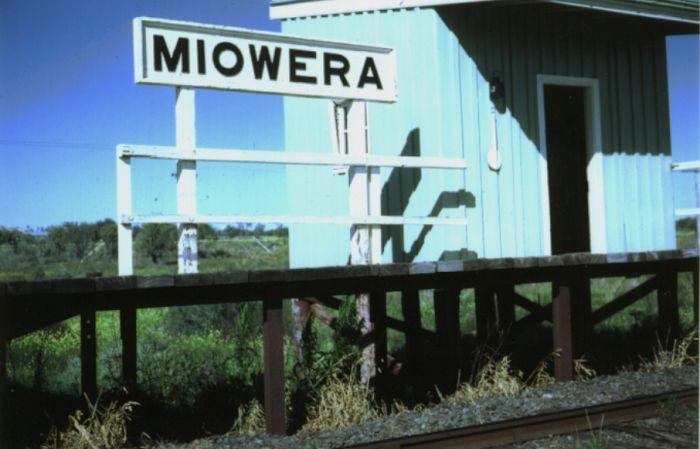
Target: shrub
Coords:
[[157, 241]]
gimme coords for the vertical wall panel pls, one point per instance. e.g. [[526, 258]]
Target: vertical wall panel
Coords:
[[472, 138], [506, 174], [533, 153], [518, 95]]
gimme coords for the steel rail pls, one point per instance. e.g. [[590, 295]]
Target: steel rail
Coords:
[[539, 426]]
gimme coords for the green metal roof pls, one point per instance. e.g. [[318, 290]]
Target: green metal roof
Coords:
[[669, 10]]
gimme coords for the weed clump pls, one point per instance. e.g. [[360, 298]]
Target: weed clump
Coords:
[[342, 402], [678, 356], [582, 371], [102, 428], [496, 377], [251, 419]]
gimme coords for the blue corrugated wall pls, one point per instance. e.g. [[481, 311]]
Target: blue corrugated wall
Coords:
[[445, 58]]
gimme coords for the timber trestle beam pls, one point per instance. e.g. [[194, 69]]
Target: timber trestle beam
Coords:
[[30, 306]]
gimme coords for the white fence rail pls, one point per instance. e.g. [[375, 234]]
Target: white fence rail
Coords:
[[363, 176], [285, 158], [689, 166]]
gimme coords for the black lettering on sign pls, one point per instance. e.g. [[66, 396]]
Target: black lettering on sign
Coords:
[[227, 71], [295, 66], [339, 71], [263, 59], [161, 52], [201, 62], [367, 77]]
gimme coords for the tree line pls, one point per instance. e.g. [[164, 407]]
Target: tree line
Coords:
[[78, 242]]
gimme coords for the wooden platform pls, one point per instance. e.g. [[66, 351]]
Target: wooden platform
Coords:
[[29, 306]]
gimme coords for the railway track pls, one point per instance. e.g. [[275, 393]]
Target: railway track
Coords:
[[539, 426]]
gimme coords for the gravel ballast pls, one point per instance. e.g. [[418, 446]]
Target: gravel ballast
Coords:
[[450, 415]]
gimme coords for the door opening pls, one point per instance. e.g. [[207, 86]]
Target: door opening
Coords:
[[565, 131]]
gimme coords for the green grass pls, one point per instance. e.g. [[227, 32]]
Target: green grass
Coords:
[[222, 254], [176, 365]]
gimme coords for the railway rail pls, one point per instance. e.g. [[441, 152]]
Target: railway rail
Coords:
[[539, 426]]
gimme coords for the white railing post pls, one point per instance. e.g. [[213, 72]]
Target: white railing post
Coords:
[[359, 182], [693, 166], [125, 230], [360, 242], [185, 141], [374, 196]]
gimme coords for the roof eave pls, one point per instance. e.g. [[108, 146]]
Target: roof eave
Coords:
[[290, 9], [683, 12], [653, 10]]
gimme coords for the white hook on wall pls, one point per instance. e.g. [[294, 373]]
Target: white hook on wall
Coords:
[[494, 157]]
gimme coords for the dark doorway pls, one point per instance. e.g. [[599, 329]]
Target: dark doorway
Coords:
[[565, 125]]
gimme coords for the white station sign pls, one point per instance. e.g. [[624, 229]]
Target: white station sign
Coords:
[[214, 57]]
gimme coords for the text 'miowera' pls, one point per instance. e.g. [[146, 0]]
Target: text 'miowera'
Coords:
[[205, 56]]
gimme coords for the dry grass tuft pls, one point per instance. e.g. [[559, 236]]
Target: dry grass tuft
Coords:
[[498, 378], [102, 429], [342, 402], [251, 419], [495, 378], [582, 371], [676, 357], [540, 375]]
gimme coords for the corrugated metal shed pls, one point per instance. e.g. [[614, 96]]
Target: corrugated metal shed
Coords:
[[446, 56]]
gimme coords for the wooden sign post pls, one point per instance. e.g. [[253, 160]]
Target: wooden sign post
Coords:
[[185, 141], [365, 200], [189, 56]]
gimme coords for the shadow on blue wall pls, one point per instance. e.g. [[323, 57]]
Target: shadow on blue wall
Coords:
[[396, 195]]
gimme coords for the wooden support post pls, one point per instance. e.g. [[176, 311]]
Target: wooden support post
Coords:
[[365, 200], [561, 320], [696, 289], [505, 307], [127, 315], [581, 314], [378, 316], [185, 140], [275, 422], [377, 310], [127, 325], [410, 305], [4, 387], [88, 354], [667, 303], [446, 303], [300, 314], [485, 313]]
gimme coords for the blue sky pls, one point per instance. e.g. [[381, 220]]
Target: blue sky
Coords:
[[67, 97]]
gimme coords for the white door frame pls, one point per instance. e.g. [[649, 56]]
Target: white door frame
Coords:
[[594, 152]]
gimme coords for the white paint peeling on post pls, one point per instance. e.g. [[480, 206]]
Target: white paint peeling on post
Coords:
[[185, 138], [124, 228]]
